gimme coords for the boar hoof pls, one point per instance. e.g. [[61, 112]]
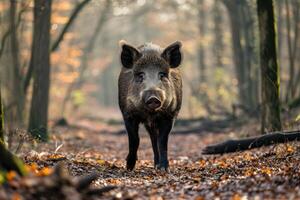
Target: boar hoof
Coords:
[[130, 163], [162, 168]]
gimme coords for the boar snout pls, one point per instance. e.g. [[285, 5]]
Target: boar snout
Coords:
[[153, 103], [152, 99]]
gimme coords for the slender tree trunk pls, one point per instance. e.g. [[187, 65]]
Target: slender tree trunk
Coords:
[[57, 42], [296, 11], [251, 56], [297, 79], [1, 120], [41, 69], [233, 8], [218, 47], [17, 79], [280, 32], [294, 46], [8, 32], [269, 68], [279, 28], [289, 88], [201, 51]]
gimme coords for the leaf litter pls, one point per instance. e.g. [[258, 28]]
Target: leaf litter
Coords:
[[98, 158]]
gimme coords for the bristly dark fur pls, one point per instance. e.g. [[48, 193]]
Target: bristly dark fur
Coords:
[[158, 123]]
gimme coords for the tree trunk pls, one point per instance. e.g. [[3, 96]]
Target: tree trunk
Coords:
[[17, 92], [201, 52], [251, 56], [296, 6], [289, 94], [57, 42], [8, 161], [218, 47], [233, 8], [1, 121], [292, 26], [41, 69], [280, 33], [269, 68]]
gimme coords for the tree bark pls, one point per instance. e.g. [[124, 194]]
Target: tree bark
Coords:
[[17, 79], [292, 50], [8, 161], [41, 69], [295, 46], [279, 9], [233, 8], [1, 120], [218, 47], [270, 116], [251, 56], [251, 143], [201, 52]]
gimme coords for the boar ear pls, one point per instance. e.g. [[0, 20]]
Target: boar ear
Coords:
[[172, 54], [129, 54]]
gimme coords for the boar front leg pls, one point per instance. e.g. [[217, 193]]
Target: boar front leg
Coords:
[[132, 127], [164, 126], [153, 132]]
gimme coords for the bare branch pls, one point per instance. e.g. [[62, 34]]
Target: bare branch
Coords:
[[66, 28]]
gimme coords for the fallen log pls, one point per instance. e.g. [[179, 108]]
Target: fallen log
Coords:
[[252, 142]]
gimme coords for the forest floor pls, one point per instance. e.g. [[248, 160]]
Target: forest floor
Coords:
[[265, 173]]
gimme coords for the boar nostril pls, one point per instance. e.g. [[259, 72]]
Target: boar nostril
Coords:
[[153, 103]]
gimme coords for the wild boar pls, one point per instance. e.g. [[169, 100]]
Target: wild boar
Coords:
[[150, 92]]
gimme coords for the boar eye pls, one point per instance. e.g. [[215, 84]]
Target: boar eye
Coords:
[[162, 75], [140, 76]]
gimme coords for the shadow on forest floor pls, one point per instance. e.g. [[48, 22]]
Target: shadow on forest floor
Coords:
[[182, 126]]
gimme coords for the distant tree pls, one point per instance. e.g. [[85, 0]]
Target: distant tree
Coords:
[[73, 16], [270, 111], [1, 121], [12, 76], [78, 8], [41, 69], [201, 49], [17, 80], [234, 12], [279, 23], [241, 16], [250, 50], [218, 46], [77, 83], [269, 89], [292, 28]]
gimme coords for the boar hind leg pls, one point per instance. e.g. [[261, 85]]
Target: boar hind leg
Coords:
[[132, 127], [153, 132], [164, 127]]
